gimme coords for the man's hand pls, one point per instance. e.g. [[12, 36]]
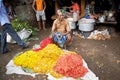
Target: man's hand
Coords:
[[58, 36], [63, 34]]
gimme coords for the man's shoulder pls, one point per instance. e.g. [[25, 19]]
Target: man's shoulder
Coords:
[[55, 20], [65, 20]]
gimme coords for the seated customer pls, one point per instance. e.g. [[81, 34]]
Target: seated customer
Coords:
[[61, 31]]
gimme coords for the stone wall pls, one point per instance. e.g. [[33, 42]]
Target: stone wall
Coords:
[[26, 1], [23, 9], [22, 2], [25, 12]]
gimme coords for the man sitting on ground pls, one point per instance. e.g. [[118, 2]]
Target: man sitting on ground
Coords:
[[61, 31]]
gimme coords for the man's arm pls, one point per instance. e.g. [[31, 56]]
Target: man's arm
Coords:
[[68, 30], [53, 29], [54, 26], [44, 4], [33, 6]]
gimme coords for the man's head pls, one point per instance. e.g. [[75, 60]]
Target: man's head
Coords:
[[60, 14]]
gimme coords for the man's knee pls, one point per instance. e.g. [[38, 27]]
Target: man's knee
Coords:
[[69, 37]]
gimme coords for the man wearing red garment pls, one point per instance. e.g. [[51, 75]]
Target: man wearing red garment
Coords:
[[75, 7]]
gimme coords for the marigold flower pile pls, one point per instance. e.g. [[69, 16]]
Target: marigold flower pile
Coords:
[[41, 61], [49, 60]]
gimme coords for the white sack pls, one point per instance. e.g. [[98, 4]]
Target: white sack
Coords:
[[23, 34]]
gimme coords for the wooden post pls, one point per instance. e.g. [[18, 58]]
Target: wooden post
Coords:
[[82, 7]]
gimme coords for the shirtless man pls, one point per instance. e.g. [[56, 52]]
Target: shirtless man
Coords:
[[60, 25]]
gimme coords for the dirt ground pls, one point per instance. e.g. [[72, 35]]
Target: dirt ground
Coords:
[[102, 56]]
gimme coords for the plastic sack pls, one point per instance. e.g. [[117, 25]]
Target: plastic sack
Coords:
[[99, 35], [23, 34], [71, 23], [70, 65]]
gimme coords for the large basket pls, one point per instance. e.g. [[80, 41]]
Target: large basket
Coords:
[[86, 24]]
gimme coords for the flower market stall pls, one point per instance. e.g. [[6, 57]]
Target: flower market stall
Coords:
[[51, 60]]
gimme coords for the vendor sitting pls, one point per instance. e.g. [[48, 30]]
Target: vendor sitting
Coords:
[[61, 31]]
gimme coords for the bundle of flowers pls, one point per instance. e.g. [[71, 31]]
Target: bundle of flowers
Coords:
[[43, 44], [41, 61], [53, 60], [70, 65]]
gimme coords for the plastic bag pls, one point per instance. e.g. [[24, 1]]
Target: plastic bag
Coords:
[[23, 34]]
